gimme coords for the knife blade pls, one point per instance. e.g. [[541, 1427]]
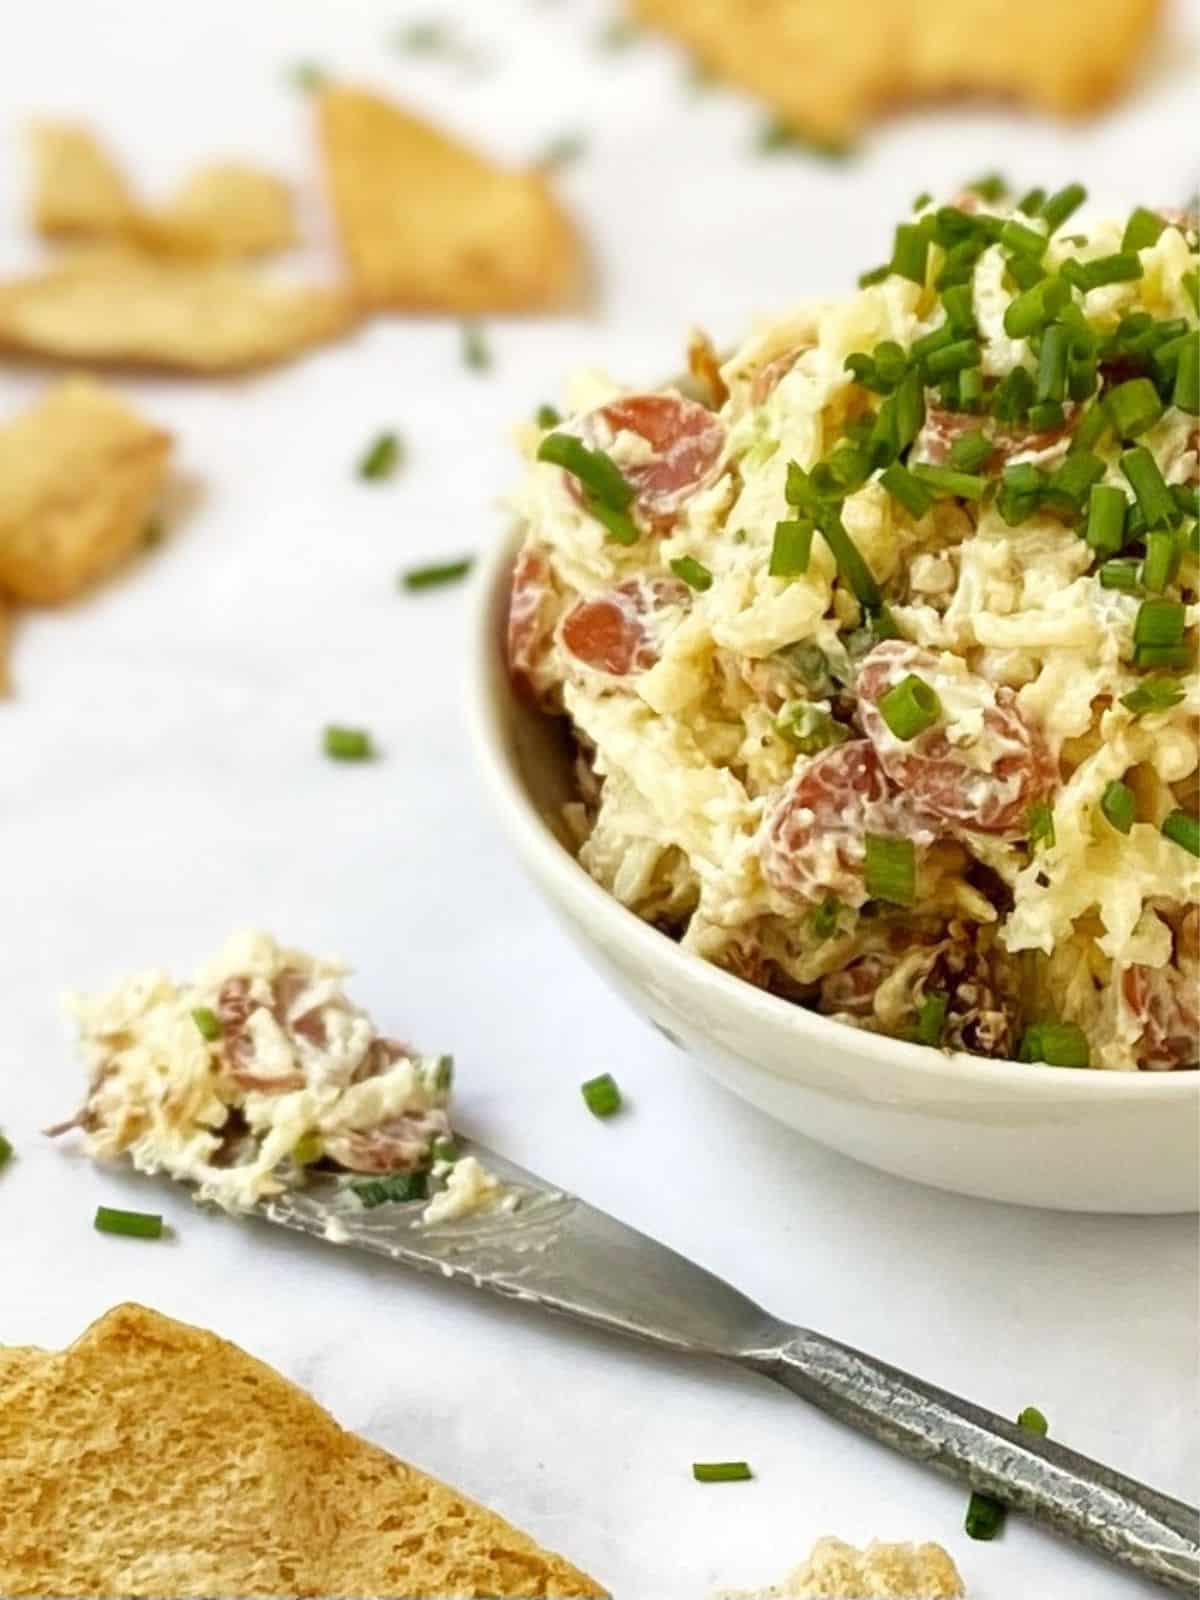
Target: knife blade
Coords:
[[551, 1250]]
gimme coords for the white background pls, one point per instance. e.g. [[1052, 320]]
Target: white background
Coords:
[[160, 784]]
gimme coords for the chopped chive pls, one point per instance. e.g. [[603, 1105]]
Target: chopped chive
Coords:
[[1121, 575], [1190, 283], [1106, 518], [809, 727], [596, 471], [890, 869], [958, 300], [970, 389], [850, 564], [445, 1149], [721, 1471], [1153, 496], [398, 1188], [431, 577], [1033, 1421], [475, 351], [1133, 407], [1052, 363], [547, 417], [1159, 693], [791, 549], [620, 525], [938, 339], [1022, 487], [692, 572], [1058, 1044], [132, 1224], [1023, 240], [931, 1019], [945, 481], [922, 200], [1142, 229], [909, 491], [1183, 828], [347, 744], [618, 34], [825, 917], [207, 1022], [1091, 428], [308, 1148], [1012, 396], [909, 412], [1027, 271], [1118, 805], [1159, 622], [777, 134], [1065, 203], [1046, 415], [1035, 307], [1173, 656], [6, 1151], [1073, 480], [910, 252], [422, 37], [971, 451], [1162, 561], [984, 1518], [1031, 202], [1088, 275], [309, 76], [601, 1095], [910, 707], [1039, 826], [381, 458], [991, 187], [1186, 394], [874, 275], [561, 151], [953, 358]]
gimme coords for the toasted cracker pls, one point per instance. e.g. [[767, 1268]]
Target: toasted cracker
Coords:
[[80, 475], [78, 190], [837, 1571], [830, 70], [225, 209], [109, 305], [428, 224], [181, 1466], [222, 210]]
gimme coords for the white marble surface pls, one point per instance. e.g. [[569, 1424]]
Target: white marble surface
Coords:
[[160, 784]]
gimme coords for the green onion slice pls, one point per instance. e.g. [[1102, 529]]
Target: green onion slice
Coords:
[[1065, 203], [890, 869], [1119, 806], [791, 549], [972, 451], [208, 1022], [1159, 622], [1133, 407], [133, 1224], [849, 560], [931, 1019], [438, 573], [946, 481], [595, 470], [1058, 1044], [721, 1471], [909, 491], [398, 1188], [1183, 828], [381, 458], [347, 744], [825, 918], [1106, 518], [910, 707], [694, 573], [601, 1095], [809, 727], [547, 417], [6, 1151], [1159, 693], [1162, 560], [1040, 825], [1153, 495], [984, 1518]]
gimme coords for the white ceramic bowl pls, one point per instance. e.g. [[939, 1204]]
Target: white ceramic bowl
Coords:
[[1034, 1135]]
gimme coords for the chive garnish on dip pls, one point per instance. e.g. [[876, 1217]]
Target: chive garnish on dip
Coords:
[[791, 549], [1058, 1044], [207, 1022], [1118, 805], [1159, 693], [910, 707], [381, 457], [6, 1151], [475, 351], [890, 869], [1183, 829], [692, 572]]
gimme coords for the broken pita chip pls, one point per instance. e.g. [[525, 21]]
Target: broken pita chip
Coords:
[[223, 210], [828, 71], [78, 190], [428, 224], [80, 474], [184, 1467], [837, 1571], [111, 306]]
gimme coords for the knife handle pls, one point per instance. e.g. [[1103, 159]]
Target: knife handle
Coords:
[[1120, 1518]]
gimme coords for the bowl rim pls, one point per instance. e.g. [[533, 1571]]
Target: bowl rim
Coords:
[[487, 685]]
